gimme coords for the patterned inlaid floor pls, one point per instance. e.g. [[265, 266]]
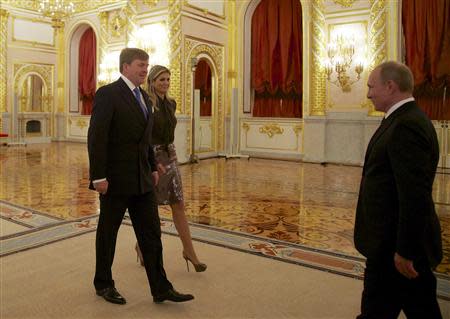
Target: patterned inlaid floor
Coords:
[[283, 203]]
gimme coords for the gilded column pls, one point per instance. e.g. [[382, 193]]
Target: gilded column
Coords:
[[59, 32], [231, 53], [318, 82], [3, 49], [174, 22], [377, 39]]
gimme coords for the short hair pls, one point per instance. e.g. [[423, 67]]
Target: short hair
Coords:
[[128, 55], [399, 73]]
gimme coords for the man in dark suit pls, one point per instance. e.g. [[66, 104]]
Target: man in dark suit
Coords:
[[123, 172], [396, 225]]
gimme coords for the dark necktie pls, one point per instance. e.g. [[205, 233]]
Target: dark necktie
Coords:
[[137, 94]]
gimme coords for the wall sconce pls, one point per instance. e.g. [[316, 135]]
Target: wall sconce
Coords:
[[340, 59]]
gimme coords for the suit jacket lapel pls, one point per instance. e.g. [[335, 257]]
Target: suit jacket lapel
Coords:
[[385, 123]]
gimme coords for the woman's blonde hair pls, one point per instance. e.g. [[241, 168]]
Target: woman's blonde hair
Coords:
[[153, 74]]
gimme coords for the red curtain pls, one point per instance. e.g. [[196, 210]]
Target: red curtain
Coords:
[[87, 70], [276, 75], [426, 27], [203, 83]]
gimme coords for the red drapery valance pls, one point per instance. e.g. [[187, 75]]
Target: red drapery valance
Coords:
[[426, 27], [87, 70], [276, 74], [203, 83]]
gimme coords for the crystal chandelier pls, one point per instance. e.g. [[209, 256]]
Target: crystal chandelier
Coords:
[[56, 10]]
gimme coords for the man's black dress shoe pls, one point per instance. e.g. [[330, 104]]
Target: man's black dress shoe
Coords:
[[172, 295], [112, 295]]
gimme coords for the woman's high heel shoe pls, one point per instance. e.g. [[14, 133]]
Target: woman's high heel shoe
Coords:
[[200, 267], [139, 255]]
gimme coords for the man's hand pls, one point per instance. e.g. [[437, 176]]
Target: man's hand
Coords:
[[161, 169], [101, 187], [155, 176], [405, 267]]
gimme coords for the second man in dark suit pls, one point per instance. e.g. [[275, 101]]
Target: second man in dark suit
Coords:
[[396, 225], [124, 173]]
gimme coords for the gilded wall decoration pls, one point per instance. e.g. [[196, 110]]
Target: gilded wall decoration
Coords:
[[271, 130], [297, 129], [104, 35], [46, 72], [192, 49], [82, 123], [129, 12], [80, 5], [3, 49], [117, 24], [344, 3], [150, 3], [318, 78], [174, 24], [377, 38]]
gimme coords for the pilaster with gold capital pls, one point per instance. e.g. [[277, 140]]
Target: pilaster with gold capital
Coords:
[[3, 49], [318, 82], [61, 67], [174, 23]]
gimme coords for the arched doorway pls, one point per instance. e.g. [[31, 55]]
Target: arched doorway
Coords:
[[82, 69]]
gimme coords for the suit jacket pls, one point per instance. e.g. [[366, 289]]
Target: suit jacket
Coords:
[[119, 140], [395, 211]]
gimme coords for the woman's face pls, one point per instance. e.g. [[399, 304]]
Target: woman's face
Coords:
[[162, 83]]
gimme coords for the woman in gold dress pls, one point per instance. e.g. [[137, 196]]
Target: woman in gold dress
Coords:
[[169, 190]]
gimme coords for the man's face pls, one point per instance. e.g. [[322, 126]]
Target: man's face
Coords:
[[136, 72], [379, 92]]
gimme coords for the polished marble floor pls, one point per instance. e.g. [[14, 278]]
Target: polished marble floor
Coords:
[[306, 204]]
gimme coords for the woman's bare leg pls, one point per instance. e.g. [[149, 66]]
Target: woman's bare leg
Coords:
[[182, 226]]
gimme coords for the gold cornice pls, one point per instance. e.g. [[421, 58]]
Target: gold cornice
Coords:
[[217, 24], [205, 12], [150, 3], [344, 3], [80, 5]]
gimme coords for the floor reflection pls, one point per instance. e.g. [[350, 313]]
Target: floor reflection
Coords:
[[307, 204]]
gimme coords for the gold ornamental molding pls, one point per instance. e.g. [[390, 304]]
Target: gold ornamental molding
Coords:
[[117, 23], [104, 35], [245, 126], [3, 49], [297, 129], [192, 49], [271, 130], [344, 3], [44, 71], [80, 5], [377, 38], [174, 23], [82, 123], [317, 77]]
